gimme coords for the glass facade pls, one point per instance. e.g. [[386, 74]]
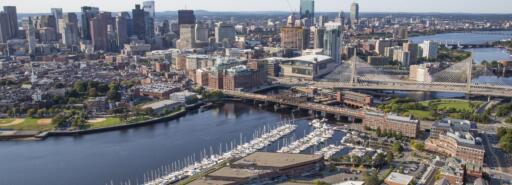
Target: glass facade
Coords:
[[307, 9]]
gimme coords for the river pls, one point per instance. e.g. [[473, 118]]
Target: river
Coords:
[[128, 154]]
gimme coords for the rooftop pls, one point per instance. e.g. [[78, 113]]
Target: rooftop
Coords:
[[237, 173], [210, 182], [279, 160], [312, 58], [160, 104], [399, 178]]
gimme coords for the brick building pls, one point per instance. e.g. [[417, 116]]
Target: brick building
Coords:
[[405, 125]]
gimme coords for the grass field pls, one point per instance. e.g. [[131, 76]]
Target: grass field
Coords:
[[459, 105], [422, 115], [27, 124], [6, 121], [108, 122]]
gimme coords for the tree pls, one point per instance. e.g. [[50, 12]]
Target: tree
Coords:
[[418, 145], [60, 119], [113, 92], [379, 160], [379, 132], [371, 179], [318, 182], [92, 92], [396, 147], [31, 112], [389, 157], [80, 86]]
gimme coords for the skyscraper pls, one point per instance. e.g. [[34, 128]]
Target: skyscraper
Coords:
[[149, 6], [121, 30], [87, 14], [332, 41], [225, 34], [31, 36], [186, 17], [57, 14], [354, 13], [98, 26], [68, 28], [307, 12], [4, 27], [187, 37], [139, 22], [12, 20]]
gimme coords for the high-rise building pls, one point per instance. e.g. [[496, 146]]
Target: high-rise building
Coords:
[[202, 32], [307, 12], [332, 41], [12, 21], [225, 34], [129, 23], [57, 14], [413, 50], [429, 49], [139, 22], [68, 28], [292, 36], [402, 56], [121, 30], [87, 14], [4, 27], [186, 17], [149, 6], [317, 37], [322, 20], [99, 34], [354, 13], [31, 36], [187, 37]]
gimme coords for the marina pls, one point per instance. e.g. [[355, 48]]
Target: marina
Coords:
[[320, 134]]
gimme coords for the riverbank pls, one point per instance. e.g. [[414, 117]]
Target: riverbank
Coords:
[[37, 135]]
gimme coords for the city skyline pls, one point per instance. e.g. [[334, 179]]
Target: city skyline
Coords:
[[434, 6]]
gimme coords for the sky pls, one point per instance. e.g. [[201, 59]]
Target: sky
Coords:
[[444, 6]]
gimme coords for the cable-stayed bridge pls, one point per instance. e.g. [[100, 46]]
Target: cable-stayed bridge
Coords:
[[460, 77]]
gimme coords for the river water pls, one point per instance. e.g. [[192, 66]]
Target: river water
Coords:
[[128, 154]]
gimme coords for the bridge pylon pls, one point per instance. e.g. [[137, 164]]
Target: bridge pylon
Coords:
[[353, 75], [469, 76]]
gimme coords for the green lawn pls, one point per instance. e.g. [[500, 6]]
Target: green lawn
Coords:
[[459, 105], [108, 122], [30, 124], [422, 115], [6, 120]]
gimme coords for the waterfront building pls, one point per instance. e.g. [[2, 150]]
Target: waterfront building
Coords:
[[163, 106], [429, 49], [262, 167], [392, 123], [87, 14], [225, 34], [309, 67], [456, 138], [307, 12], [354, 99]]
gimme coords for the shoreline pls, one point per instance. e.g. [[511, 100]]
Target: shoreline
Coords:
[[19, 135]]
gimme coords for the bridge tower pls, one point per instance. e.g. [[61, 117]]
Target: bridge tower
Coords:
[[353, 75], [469, 76]]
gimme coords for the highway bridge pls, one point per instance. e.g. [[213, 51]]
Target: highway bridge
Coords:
[[356, 113]]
